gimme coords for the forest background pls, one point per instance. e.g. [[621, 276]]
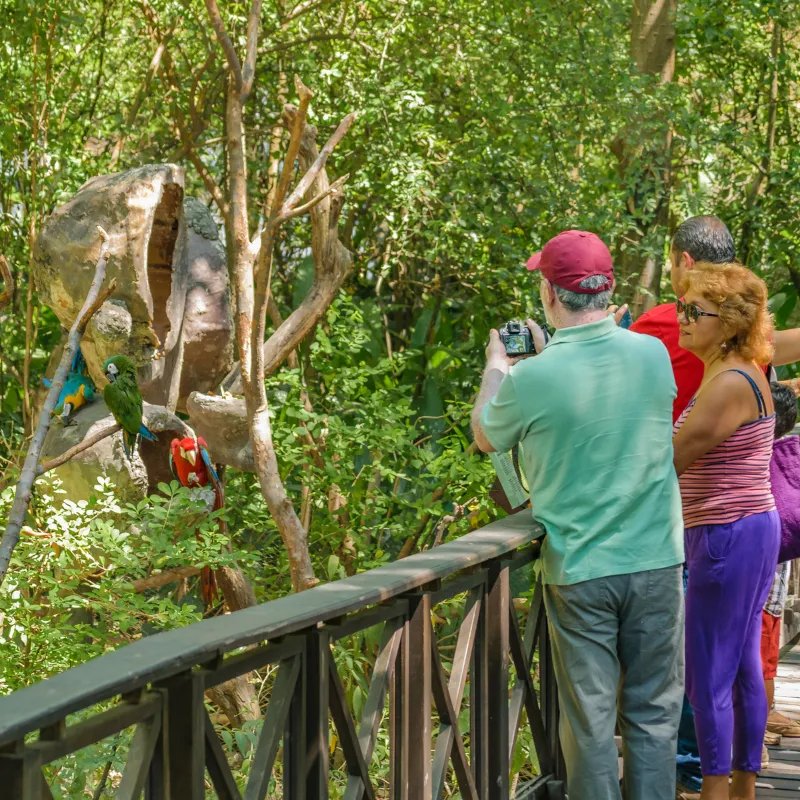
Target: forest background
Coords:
[[484, 128]]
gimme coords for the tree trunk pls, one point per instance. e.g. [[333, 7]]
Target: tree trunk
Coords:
[[761, 177], [266, 465], [644, 152], [237, 591], [251, 263], [653, 38], [236, 698]]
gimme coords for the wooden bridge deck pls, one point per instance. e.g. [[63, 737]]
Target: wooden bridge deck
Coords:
[[782, 779]]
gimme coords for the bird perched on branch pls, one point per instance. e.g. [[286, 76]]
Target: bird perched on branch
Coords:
[[124, 401], [191, 464], [78, 389]]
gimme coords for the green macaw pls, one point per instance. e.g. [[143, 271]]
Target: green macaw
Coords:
[[124, 401]]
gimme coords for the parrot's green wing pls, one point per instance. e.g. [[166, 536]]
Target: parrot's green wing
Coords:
[[125, 402]]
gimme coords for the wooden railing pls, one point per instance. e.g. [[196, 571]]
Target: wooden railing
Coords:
[[158, 684]]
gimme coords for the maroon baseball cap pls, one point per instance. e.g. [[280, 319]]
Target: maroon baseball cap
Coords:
[[572, 256]]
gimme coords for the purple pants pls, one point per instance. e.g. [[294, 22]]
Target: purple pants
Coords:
[[731, 568]]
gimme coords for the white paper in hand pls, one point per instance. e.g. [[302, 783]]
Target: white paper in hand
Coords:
[[504, 467]]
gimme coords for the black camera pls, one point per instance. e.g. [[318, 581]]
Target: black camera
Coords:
[[517, 338]]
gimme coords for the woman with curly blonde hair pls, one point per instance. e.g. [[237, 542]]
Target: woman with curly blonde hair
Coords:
[[723, 445]]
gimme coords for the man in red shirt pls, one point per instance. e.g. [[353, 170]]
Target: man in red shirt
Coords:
[[699, 239]]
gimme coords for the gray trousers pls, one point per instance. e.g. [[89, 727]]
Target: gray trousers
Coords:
[[618, 657]]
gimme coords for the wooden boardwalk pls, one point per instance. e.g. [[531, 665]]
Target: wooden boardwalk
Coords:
[[782, 779]]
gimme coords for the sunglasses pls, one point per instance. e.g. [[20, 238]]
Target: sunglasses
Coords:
[[691, 311]]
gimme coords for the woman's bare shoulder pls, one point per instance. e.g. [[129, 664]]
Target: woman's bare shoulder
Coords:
[[730, 386]]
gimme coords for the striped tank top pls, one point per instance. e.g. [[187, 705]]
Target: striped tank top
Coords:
[[731, 480]]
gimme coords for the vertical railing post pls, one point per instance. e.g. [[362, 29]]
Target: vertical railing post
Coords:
[[184, 730], [20, 773], [479, 704], [316, 656], [548, 698], [294, 742], [398, 721], [155, 787], [497, 633], [420, 778]]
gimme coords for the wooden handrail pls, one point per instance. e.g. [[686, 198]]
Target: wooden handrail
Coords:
[[156, 658]]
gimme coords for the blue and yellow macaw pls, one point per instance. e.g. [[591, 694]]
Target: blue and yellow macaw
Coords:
[[77, 391]]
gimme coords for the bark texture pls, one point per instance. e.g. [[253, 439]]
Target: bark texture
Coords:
[[644, 153], [250, 263], [760, 180]]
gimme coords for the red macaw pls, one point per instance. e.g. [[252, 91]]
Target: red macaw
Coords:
[[195, 469]]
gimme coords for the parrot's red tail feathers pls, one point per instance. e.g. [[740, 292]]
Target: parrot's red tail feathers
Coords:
[[208, 586]]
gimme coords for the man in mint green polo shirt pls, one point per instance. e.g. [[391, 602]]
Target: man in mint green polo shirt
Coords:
[[593, 415]]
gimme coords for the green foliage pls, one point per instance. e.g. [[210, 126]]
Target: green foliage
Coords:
[[484, 128], [68, 595]]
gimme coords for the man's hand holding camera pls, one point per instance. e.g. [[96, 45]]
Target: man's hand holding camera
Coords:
[[513, 342], [501, 354]]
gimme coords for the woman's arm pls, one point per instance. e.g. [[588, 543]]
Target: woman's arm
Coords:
[[726, 403], [787, 347], [793, 384]]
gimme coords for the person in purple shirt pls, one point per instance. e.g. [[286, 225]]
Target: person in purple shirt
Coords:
[[784, 476]]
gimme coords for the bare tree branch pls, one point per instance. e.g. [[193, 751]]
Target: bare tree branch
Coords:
[[243, 253], [301, 321], [299, 10], [185, 131], [311, 175], [459, 509], [295, 141], [85, 316], [8, 280], [333, 189], [263, 271], [318, 37], [163, 578], [144, 91], [249, 71], [251, 271], [22, 497], [275, 140], [331, 264], [84, 444], [323, 289], [10, 366], [222, 37], [332, 259]]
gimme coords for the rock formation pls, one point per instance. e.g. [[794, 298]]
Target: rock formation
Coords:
[[222, 422], [171, 309], [207, 324]]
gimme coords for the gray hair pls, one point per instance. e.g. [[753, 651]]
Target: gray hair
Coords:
[[705, 239], [576, 301]]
